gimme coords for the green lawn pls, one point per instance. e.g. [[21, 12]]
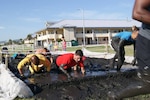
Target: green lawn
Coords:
[[92, 48], [128, 49]]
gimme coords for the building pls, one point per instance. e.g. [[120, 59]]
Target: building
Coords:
[[83, 31]]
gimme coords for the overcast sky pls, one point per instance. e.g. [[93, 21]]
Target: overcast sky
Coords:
[[19, 18]]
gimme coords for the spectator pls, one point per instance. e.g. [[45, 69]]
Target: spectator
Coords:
[[50, 45], [63, 44], [55, 46]]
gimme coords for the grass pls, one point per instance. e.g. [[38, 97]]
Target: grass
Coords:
[[103, 48], [92, 48]]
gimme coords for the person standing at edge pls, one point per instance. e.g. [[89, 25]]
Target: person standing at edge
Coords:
[[119, 41], [66, 61], [141, 12], [63, 43]]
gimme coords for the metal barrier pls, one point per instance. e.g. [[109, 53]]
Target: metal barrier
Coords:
[[5, 57]]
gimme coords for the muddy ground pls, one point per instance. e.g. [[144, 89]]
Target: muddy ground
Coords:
[[95, 85]]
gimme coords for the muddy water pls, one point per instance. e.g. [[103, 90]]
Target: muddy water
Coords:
[[92, 86]]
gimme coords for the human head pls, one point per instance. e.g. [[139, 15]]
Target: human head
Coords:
[[35, 60], [29, 52], [135, 28], [63, 38], [78, 55], [135, 31], [42, 51]]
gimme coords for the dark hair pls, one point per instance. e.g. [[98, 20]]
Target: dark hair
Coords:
[[35, 60], [135, 28], [46, 49], [79, 52]]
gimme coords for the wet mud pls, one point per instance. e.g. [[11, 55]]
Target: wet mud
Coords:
[[95, 85]]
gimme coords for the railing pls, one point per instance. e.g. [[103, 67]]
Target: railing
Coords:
[[6, 56]]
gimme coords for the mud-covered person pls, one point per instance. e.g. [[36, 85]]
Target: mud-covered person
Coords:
[[119, 41], [66, 62], [45, 52], [35, 63], [141, 12]]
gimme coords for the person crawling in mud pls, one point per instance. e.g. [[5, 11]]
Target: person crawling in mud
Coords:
[[65, 62], [119, 41], [45, 52], [36, 63]]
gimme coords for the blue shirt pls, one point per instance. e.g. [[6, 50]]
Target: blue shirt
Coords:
[[126, 35]]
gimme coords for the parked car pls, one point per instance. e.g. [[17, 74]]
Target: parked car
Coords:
[[4, 52]]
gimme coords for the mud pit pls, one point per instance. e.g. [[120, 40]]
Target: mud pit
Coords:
[[93, 86]]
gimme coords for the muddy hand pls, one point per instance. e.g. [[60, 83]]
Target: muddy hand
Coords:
[[22, 77], [64, 71]]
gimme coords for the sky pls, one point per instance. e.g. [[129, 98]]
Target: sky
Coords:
[[18, 18]]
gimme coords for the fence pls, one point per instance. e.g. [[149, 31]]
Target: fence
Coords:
[[5, 56]]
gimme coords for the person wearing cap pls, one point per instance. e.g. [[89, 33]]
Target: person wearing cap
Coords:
[[68, 60], [35, 63]]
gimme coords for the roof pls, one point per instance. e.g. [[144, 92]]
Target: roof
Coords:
[[95, 23]]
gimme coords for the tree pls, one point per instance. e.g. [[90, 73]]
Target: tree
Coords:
[[21, 41], [10, 42], [29, 36]]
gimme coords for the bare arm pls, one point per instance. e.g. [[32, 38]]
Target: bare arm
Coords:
[[21, 64], [20, 71], [141, 12], [83, 70]]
